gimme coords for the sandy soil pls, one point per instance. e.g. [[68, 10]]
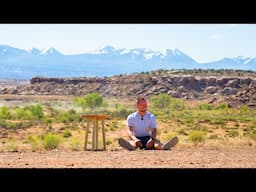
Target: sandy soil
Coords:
[[203, 157]]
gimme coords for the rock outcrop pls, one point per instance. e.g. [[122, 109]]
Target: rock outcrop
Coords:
[[235, 90]]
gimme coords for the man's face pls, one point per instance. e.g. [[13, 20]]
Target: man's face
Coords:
[[142, 106]]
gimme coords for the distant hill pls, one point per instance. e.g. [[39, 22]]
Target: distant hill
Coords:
[[233, 87], [107, 61]]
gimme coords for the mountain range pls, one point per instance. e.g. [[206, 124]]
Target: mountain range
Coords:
[[107, 61]]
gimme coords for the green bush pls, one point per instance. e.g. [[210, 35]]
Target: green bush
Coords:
[[5, 113], [197, 136], [67, 133], [233, 133], [34, 111], [164, 102], [244, 109], [161, 101], [205, 107], [13, 125], [51, 141], [21, 113], [92, 101], [34, 142], [76, 143], [66, 117], [223, 106], [177, 104], [12, 146], [3, 123], [121, 112], [182, 132]]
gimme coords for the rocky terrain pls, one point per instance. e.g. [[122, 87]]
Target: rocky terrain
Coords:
[[235, 90]]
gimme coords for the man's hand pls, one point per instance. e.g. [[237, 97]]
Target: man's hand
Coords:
[[138, 143], [150, 144]]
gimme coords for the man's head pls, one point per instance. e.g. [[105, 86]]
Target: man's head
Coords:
[[142, 105]]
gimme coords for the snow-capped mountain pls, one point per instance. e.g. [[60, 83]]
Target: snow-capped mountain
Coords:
[[8, 51], [106, 61], [240, 62], [51, 51]]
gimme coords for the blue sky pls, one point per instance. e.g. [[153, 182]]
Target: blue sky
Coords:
[[203, 42]]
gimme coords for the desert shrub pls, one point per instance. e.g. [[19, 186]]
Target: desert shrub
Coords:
[[12, 146], [51, 141], [5, 113], [91, 100], [244, 109], [14, 125], [67, 133], [217, 122], [182, 132], [121, 112], [72, 112], [3, 123], [205, 107], [109, 142], [66, 117], [164, 103], [76, 144], [176, 104], [21, 113], [113, 126], [34, 142], [74, 126], [161, 101], [222, 106], [197, 136], [232, 133], [250, 133], [34, 111]]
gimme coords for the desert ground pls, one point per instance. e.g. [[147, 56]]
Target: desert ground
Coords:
[[225, 145], [196, 157]]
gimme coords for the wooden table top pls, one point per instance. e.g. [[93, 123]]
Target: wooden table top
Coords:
[[95, 116]]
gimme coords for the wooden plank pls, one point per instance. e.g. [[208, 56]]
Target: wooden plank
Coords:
[[93, 135], [95, 116], [96, 134], [86, 135], [103, 135]]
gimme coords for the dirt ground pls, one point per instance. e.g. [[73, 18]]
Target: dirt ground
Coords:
[[179, 157]]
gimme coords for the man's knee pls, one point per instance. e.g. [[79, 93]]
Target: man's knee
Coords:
[[150, 145], [132, 143], [158, 146]]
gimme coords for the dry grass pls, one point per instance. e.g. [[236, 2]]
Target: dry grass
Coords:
[[217, 134]]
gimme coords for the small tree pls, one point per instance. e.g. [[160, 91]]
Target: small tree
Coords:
[[161, 101], [91, 100]]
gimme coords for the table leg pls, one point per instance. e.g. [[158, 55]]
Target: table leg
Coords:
[[103, 135]]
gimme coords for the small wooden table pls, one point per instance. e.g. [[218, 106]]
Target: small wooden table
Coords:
[[94, 119]]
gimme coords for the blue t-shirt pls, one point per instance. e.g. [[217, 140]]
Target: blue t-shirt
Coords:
[[142, 127]]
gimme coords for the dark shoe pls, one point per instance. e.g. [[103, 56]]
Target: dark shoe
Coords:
[[125, 144], [170, 143]]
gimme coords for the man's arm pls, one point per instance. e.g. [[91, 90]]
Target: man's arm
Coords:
[[131, 133], [133, 137], [153, 133]]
